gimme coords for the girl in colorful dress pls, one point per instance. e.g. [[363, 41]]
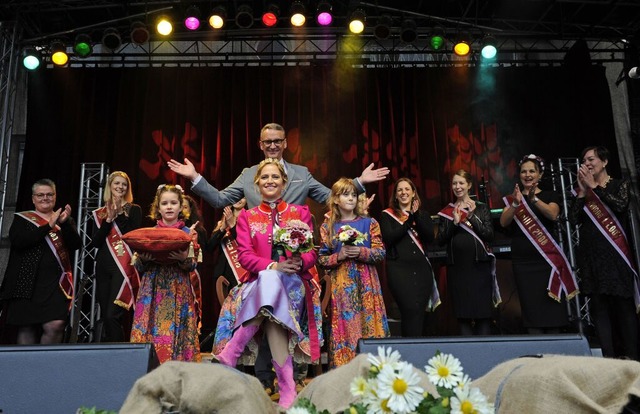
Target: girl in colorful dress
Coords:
[[277, 295], [357, 308], [165, 311]]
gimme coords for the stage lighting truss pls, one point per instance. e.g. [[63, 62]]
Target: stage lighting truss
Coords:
[[59, 55], [111, 38], [382, 30], [31, 58], [217, 17], [139, 33], [82, 46], [192, 18], [244, 16], [271, 15], [357, 21], [298, 10], [324, 15]]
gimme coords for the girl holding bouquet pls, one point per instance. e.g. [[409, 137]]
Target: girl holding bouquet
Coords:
[[275, 245], [351, 247], [165, 311]]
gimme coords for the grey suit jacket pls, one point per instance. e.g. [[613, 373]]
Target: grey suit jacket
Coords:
[[300, 185]]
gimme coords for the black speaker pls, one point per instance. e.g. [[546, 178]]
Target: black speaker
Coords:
[[479, 354], [62, 378]]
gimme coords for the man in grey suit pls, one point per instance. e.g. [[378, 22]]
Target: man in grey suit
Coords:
[[300, 184]]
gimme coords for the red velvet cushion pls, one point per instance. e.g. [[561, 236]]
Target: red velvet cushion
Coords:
[[159, 242]]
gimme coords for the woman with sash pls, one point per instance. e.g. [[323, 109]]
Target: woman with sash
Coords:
[[540, 268], [608, 273], [465, 227], [406, 230], [38, 284], [277, 297], [117, 280], [224, 238]]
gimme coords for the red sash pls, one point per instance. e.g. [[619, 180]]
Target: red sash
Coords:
[[561, 277], [447, 213], [196, 287], [608, 224], [121, 254], [434, 300], [230, 249], [56, 244]]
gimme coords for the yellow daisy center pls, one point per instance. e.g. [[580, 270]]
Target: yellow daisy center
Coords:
[[384, 406], [399, 386], [467, 408], [443, 371]]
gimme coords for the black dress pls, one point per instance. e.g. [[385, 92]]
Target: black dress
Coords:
[[409, 273], [469, 275], [531, 272], [31, 282]]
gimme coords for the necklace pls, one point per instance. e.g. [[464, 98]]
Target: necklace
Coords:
[[608, 180]]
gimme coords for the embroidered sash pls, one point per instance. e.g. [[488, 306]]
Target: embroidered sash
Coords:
[[230, 250], [607, 223], [447, 213], [121, 254], [562, 277], [196, 288], [434, 299], [60, 252]]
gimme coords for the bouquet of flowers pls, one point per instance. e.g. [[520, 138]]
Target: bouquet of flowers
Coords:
[[393, 387], [295, 236], [350, 236]]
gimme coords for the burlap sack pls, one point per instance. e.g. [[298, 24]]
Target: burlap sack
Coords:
[[331, 392], [561, 384], [187, 387]]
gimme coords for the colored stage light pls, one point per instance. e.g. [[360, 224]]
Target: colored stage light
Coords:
[[59, 54], [356, 23], [164, 26], [244, 16], [217, 18], [31, 58], [323, 13], [297, 14], [383, 28], [489, 49], [408, 31], [192, 18], [437, 38], [139, 33], [82, 46], [270, 16], [462, 46], [111, 38]]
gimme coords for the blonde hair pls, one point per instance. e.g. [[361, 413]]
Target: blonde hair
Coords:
[[128, 197], [154, 213], [342, 186], [264, 163]]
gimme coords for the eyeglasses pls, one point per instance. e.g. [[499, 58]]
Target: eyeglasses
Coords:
[[40, 196], [269, 142]]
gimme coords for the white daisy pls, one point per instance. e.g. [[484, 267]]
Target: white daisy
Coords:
[[386, 355], [400, 386], [444, 370], [464, 382], [469, 400], [298, 410], [358, 386], [378, 406]]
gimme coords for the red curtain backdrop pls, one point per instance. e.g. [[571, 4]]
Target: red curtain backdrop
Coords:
[[423, 123]]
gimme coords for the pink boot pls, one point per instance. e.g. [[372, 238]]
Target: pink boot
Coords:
[[286, 382], [232, 351]]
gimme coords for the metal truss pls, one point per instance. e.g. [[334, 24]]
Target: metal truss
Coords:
[[84, 312], [8, 70], [351, 50]]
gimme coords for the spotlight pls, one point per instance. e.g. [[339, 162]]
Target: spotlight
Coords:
[[437, 38], [192, 18], [408, 31], [383, 28], [111, 38], [139, 33], [59, 53], [31, 58], [270, 16], [489, 49], [244, 16], [356, 23], [297, 14], [462, 47], [164, 26], [323, 13], [218, 16], [82, 46]]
